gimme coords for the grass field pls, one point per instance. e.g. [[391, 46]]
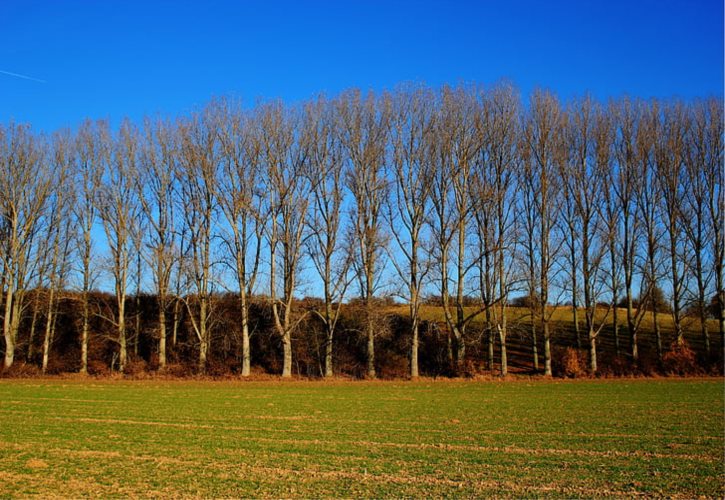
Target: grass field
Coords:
[[348, 439]]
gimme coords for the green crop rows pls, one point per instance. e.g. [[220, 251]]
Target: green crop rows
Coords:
[[349, 439]]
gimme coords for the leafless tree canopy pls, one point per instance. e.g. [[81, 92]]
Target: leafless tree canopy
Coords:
[[465, 197]]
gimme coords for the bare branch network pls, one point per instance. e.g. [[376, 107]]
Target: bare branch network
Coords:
[[498, 220]]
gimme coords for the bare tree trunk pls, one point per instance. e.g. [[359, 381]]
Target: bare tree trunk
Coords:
[[502, 331], [628, 264], [701, 286], [8, 330], [162, 335], [676, 303], [286, 355], [534, 345], [658, 332], [615, 295], [547, 350], [574, 284], [13, 310], [175, 321], [490, 335], [122, 351], [459, 331], [615, 325], [370, 335], [84, 334], [491, 342], [329, 372], [48, 323], [203, 333], [721, 307], [544, 280], [246, 356], [575, 314], [136, 331], [414, 348], [592, 352], [203, 348], [652, 287], [631, 327], [33, 325]]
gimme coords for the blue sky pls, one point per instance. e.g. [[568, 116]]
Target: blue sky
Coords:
[[110, 59]]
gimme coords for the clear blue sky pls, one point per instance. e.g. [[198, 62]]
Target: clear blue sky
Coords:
[[129, 58]]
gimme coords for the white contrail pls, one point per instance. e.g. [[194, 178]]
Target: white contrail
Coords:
[[25, 77]]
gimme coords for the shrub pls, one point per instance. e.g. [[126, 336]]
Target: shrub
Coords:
[[569, 362], [181, 370], [135, 367], [21, 370], [97, 367], [221, 368], [615, 366], [648, 364], [680, 359], [396, 366], [469, 369], [60, 364]]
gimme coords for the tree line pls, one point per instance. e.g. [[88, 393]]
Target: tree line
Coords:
[[462, 194]]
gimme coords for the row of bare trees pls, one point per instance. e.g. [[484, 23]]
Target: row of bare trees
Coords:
[[459, 192]]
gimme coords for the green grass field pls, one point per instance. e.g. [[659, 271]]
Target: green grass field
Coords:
[[518, 438]]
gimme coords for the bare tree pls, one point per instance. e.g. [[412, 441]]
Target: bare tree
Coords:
[[242, 201], [363, 133], [285, 159], [495, 192], [647, 196], [709, 116], [412, 127], [611, 216], [157, 188], [457, 147], [199, 161], [118, 211], [91, 141], [629, 139], [137, 277], [459, 191], [694, 208], [669, 157], [26, 185], [329, 255], [543, 132], [58, 236], [179, 277], [590, 140], [527, 253], [569, 220]]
